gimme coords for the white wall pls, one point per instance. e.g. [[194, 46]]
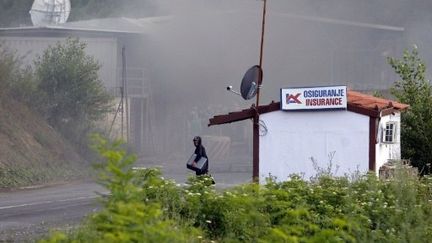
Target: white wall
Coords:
[[386, 151], [294, 137]]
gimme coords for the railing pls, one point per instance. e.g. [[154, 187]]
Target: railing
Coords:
[[138, 84]]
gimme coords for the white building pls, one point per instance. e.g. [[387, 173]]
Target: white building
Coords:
[[360, 138]]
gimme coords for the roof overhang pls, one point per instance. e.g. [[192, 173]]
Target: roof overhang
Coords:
[[357, 102]]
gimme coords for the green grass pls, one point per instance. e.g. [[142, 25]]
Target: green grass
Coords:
[[20, 175]]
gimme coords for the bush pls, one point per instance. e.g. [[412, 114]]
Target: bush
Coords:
[[73, 96], [416, 122], [15, 81], [131, 213], [144, 207]]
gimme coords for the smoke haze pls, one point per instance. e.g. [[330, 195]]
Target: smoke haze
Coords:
[[202, 46], [208, 45]]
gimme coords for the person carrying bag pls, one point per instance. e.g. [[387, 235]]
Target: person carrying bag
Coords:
[[199, 160]]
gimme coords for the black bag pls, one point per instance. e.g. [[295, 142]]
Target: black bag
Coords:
[[200, 164]]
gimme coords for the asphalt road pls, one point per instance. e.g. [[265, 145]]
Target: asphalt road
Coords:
[[29, 213], [26, 214]]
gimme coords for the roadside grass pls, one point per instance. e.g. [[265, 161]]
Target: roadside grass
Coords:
[[145, 207], [32, 151], [30, 175]]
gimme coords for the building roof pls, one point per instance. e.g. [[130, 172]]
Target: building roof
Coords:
[[357, 102], [372, 102], [120, 25]]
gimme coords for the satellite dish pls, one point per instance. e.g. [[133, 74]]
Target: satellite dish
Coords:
[[48, 12], [250, 82]]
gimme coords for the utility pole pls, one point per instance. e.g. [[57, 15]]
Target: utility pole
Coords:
[[255, 170]]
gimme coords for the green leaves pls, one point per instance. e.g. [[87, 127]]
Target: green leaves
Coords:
[[135, 209], [416, 123], [145, 207], [73, 96]]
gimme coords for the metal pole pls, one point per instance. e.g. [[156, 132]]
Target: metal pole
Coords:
[[255, 169], [125, 91], [122, 112], [261, 49], [263, 31]]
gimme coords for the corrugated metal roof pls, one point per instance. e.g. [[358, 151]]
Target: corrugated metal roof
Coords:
[[357, 102]]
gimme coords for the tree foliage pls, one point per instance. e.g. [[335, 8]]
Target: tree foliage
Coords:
[[15, 13], [416, 123], [73, 95], [16, 81], [8, 68], [142, 206]]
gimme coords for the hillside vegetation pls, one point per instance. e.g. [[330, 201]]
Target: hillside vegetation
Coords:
[[47, 112], [31, 151]]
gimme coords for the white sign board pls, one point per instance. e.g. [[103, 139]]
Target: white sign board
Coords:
[[314, 98]]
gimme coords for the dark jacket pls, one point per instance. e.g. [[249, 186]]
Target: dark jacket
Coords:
[[201, 152]]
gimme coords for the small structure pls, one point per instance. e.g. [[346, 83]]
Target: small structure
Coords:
[[362, 137]]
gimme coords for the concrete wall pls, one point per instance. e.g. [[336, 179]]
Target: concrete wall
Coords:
[[295, 137], [386, 151]]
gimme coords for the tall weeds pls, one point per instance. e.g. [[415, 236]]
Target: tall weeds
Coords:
[[145, 207]]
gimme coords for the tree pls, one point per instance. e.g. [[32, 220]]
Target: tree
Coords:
[[15, 13], [416, 123], [8, 67], [73, 95], [16, 82]]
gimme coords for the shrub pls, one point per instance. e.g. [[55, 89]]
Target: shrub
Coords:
[[144, 207], [15, 81], [73, 96], [130, 213], [416, 122]]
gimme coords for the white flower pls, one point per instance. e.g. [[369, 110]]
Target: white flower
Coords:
[[208, 221]]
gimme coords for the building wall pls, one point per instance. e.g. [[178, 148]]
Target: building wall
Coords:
[[295, 139], [386, 151], [103, 49]]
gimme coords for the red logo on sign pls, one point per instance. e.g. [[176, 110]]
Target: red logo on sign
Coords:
[[293, 98]]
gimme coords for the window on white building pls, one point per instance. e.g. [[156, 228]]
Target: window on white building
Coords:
[[389, 133]]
